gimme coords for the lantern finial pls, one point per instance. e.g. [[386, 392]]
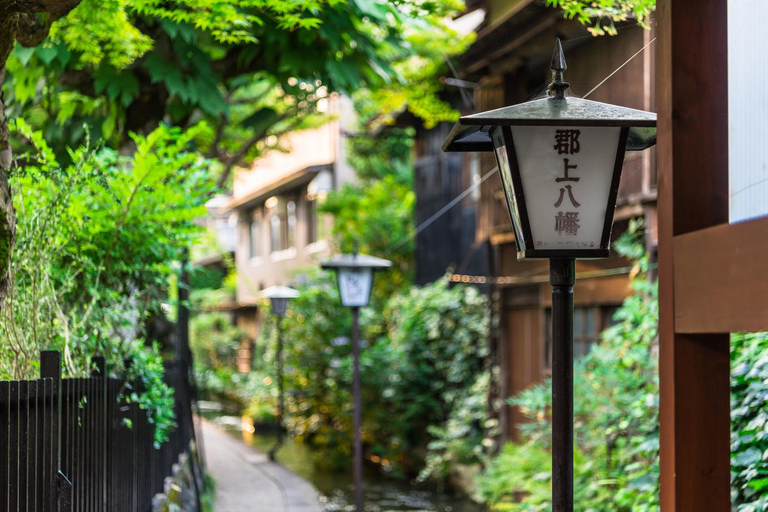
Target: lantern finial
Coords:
[[558, 66]]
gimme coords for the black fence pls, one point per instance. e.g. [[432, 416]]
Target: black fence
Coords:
[[80, 445]]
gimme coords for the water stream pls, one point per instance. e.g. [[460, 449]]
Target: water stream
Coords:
[[381, 494]]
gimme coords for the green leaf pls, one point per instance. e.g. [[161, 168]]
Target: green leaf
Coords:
[[260, 120]]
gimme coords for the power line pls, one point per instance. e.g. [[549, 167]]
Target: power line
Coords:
[[619, 68], [424, 225]]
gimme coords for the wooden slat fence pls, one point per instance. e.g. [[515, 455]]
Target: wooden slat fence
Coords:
[[80, 445]]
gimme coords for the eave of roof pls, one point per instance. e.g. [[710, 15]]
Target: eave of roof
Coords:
[[284, 184]]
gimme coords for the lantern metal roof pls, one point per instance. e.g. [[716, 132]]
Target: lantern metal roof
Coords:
[[471, 133], [279, 292], [356, 261]]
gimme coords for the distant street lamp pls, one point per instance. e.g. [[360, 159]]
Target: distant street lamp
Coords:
[[279, 297], [560, 161], [355, 276]]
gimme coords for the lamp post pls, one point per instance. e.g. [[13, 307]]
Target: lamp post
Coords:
[[560, 161], [278, 297], [355, 277]]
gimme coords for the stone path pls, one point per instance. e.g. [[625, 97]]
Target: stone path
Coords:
[[246, 480]]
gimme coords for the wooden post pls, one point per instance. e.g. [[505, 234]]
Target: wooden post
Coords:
[[692, 92]]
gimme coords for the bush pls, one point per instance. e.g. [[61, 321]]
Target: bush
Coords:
[[616, 428], [749, 422], [97, 246], [616, 416], [464, 437], [417, 366]]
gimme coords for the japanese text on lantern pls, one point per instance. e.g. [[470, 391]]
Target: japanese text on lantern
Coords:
[[567, 143]]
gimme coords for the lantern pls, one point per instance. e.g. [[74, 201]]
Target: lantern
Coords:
[[560, 161]]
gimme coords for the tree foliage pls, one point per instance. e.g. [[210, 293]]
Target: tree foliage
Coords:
[[602, 15], [96, 252], [376, 213], [252, 69]]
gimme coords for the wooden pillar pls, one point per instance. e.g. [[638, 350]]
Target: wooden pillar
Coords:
[[692, 96]]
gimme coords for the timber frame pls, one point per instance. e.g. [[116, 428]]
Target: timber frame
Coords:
[[711, 280]]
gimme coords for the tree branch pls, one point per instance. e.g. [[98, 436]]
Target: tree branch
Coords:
[[61, 7], [213, 151], [34, 28], [245, 148]]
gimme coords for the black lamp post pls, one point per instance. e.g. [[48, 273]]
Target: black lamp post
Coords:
[[355, 277], [279, 297], [560, 161]]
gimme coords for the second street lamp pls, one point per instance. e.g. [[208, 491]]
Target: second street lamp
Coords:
[[560, 161], [355, 277], [279, 297]]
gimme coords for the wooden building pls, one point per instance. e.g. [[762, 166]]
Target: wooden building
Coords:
[[509, 64], [450, 242]]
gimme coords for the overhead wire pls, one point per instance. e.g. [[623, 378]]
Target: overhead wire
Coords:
[[424, 225], [619, 68]]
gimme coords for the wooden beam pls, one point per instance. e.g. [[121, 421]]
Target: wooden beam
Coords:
[[719, 279], [692, 98]]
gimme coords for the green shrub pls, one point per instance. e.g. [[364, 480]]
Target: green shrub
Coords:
[[749, 422], [615, 411], [464, 437], [96, 255], [417, 366], [616, 422]]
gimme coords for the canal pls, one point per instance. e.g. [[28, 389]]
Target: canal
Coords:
[[336, 488]]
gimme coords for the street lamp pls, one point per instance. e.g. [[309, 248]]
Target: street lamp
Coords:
[[355, 277], [279, 297], [560, 161]]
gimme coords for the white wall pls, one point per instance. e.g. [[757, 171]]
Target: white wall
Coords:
[[748, 108]]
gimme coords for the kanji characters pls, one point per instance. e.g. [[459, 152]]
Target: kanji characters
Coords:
[[567, 142], [570, 196], [568, 223], [565, 172]]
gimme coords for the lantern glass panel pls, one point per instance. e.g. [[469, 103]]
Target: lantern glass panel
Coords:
[[279, 306], [502, 158], [355, 286], [566, 174]]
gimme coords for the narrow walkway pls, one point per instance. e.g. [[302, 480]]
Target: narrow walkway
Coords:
[[246, 480]]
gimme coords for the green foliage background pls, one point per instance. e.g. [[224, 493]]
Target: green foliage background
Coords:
[[95, 258], [416, 368], [749, 422], [178, 94], [616, 420]]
